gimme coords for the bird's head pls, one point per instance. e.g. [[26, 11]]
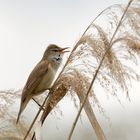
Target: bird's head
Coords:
[[54, 53]]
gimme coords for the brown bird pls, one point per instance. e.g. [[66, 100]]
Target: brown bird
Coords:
[[42, 76]]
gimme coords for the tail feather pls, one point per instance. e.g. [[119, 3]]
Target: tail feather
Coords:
[[18, 117], [24, 102]]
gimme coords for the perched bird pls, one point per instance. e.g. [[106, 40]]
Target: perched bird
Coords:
[[42, 76]]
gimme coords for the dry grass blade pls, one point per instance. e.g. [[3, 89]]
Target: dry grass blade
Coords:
[[83, 84], [92, 118]]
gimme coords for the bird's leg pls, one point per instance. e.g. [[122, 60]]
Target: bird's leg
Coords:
[[38, 104]]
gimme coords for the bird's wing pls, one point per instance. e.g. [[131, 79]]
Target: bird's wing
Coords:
[[36, 76], [33, 81]]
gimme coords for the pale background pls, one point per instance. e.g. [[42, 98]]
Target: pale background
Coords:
[[27, 27]]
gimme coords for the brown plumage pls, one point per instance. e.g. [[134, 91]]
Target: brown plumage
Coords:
[[42, 76]]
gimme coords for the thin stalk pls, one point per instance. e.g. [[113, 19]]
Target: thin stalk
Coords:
[[38, 103], [96, 73]]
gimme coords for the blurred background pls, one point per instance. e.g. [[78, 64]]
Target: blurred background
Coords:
[[26, 28]]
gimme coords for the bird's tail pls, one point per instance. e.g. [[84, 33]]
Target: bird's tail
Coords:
[[19, 113], [24, 102]]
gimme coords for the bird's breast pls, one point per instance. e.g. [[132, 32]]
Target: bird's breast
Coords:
[[47, 80]]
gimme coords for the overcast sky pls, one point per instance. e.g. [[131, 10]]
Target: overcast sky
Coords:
[[28, 26]]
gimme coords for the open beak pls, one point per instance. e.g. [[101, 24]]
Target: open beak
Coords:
[[64, 50]]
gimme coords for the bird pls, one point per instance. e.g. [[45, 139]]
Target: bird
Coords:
[[42, 76]]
